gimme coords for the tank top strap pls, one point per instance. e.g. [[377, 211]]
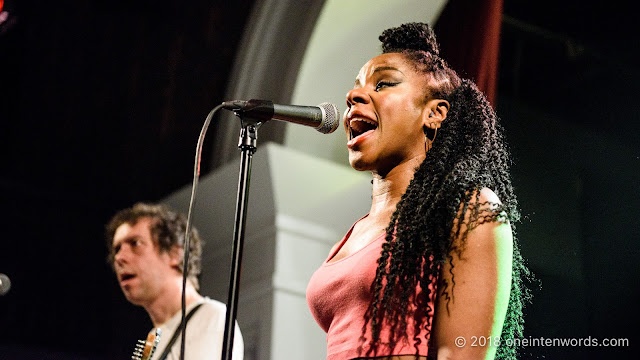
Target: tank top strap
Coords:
[[344, 240]]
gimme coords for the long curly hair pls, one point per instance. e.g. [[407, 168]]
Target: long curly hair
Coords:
[[468, 154]]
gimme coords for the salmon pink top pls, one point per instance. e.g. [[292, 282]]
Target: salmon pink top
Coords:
[[338, 296]]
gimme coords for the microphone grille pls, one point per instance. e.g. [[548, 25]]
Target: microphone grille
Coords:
[[330, 115], [5, 284]]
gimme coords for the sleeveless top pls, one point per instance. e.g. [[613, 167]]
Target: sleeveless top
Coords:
[[338, 296]]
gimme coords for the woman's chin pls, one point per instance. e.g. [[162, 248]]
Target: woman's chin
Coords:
[[358, 162]]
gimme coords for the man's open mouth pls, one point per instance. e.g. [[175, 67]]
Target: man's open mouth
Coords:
[[125, 277]]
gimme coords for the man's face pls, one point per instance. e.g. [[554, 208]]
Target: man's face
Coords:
[[142, 270]]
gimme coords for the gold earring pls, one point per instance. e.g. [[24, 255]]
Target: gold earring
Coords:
[[426, 148], [428, 143]]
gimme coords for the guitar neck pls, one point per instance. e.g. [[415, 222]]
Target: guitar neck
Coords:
[[145, 348]]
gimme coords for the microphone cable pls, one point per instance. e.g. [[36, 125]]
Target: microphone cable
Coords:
[[187, 237]]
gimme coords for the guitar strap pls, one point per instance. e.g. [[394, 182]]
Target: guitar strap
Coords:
[[177, 332]]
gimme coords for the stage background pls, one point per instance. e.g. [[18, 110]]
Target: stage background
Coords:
[[101, 104]]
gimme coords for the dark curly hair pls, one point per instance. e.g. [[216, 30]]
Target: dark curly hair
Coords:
[[468, 154], [168, 230]]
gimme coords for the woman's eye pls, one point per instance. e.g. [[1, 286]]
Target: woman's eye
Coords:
[[383, 84]]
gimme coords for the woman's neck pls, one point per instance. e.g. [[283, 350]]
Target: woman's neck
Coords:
[[388, 189]]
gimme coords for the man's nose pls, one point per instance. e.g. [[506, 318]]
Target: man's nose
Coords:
[[120, 257]]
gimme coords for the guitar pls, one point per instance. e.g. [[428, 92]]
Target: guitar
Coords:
[[145, 348]]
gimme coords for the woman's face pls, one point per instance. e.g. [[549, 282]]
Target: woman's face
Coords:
[[385, 113]]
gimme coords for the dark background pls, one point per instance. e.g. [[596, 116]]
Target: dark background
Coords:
[[101, 104]]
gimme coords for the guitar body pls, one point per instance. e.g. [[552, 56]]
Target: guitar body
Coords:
[[145, 348]]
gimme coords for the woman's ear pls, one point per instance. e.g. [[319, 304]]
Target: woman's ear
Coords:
[[435, 112]]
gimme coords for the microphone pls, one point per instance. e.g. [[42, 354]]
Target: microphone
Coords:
[[323, 117], [5, 284]]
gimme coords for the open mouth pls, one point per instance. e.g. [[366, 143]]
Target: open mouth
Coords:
[[125, 277], [358, 126]]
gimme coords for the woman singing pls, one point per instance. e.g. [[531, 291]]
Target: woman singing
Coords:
[[433, 270]]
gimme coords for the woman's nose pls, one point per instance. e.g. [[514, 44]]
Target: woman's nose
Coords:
[[357, 95]]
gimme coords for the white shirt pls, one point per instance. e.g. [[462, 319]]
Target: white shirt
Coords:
[[205, 333]]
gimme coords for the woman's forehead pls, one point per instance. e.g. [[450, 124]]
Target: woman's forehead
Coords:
[[390, 62]]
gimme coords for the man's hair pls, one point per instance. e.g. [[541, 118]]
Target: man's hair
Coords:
[[167, 230]]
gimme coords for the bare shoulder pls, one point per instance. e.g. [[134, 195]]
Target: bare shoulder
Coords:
[[485, 199], [487, 195], [496, 231], [481, 220], [474, 303]]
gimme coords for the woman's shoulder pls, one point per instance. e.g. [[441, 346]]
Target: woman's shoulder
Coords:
[[486, 195], [483, 220], [480, 201]]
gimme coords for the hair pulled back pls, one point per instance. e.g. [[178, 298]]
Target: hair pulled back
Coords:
[[468, 154]]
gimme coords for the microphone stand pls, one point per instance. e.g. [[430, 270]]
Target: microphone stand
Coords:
[[247, 144]]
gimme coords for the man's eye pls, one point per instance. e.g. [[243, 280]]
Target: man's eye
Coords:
[[383, 84]]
